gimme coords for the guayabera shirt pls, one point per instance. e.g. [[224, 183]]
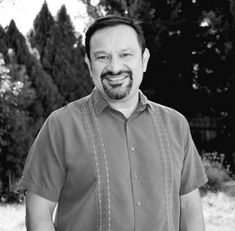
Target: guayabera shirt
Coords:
[[111, 173]]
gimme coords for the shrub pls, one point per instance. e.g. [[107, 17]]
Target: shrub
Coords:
[[12, 197], [216, 170]]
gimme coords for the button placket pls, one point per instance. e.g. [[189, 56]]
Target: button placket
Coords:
[[134, 173]]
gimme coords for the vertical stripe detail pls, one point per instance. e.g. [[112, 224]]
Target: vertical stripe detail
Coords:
[[97, 149], [105, 162], [93, 147], [167, 163]]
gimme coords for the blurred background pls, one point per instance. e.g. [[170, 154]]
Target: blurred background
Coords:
[[192, 46]]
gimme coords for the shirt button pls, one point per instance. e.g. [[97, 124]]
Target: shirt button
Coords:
[[132, 149], [135, 176], [139, 203]]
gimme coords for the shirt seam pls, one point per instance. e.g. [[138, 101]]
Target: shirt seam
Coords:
[[29, 183], [199, 182]]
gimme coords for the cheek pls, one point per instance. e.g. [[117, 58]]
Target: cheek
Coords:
[[97, 69], [138, 68], [95, 72]]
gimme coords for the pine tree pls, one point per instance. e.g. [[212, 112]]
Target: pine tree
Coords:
[[3, 46], [16, 41], [48, 97], [66, 58], [40, 33]]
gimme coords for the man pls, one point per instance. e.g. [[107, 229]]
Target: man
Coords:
[[114, 160]]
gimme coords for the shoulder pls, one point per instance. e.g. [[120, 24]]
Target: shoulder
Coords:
[[175, 123], [70, 112], [168, 113]]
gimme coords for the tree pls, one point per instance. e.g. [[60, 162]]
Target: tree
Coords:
[[40, 33], [16, 96], [48, 97], [64, 53], [3, 46]]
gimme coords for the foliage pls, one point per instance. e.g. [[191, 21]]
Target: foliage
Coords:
[[47, 95], [62, 54], [216, 170], [16, 96], [67, 66], [40, 33], [40, 74]]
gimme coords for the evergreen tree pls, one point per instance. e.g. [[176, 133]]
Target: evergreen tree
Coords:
[[3, 46], [16, 41], [40, 33], [48, 97], [66, 56], [16, 96]]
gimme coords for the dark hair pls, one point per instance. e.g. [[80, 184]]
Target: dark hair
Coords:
[[113, 20]]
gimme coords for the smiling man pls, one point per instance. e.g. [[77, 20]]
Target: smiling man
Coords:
[[114, 160], [117, 63]]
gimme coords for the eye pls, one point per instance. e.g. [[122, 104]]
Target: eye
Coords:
[[102, 57], [126, 55]]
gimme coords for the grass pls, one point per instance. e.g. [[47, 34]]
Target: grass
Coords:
[[219, 213], [12, 218]]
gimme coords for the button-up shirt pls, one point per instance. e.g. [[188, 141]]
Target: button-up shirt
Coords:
[[111, 173]]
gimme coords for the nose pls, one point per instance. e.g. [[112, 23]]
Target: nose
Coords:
[[115, 65]]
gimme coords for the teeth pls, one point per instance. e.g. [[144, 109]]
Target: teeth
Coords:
[[117, 78]]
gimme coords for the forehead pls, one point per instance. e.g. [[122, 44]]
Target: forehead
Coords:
[[115, 37]]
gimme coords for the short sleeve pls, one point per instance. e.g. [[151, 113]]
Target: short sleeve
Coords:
[[44, 170], [192, 175]]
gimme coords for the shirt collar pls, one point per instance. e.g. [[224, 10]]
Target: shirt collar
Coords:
[[100, 103]]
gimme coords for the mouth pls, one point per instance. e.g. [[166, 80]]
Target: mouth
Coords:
[[116, 78]]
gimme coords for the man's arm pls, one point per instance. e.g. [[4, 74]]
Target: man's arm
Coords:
[[39, 213], [191, 212]]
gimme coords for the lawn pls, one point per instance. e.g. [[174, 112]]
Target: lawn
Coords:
[[12, 218], [219, 212]]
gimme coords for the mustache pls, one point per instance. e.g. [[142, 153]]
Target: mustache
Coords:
[[111, 73]]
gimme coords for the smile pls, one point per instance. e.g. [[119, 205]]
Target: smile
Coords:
[[116, 78]]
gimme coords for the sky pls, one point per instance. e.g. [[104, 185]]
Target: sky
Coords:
[[24, 12]]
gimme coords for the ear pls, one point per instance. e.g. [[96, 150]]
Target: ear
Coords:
[[146, 56], [88, 63]]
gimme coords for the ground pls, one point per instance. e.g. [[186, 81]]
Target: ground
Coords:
[[219, 213]]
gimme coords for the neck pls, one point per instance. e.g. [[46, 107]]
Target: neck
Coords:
[[126, 107]]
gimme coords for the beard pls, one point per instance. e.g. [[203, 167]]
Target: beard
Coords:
[[120, 89]]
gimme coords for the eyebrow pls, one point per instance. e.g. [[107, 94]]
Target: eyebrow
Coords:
[[127, 49], [104, 52], [96, 53]]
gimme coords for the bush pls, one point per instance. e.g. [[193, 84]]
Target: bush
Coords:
[[216, 170], [12, 197]]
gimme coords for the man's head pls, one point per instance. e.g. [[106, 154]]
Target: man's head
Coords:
[[110, 21], [116, 57]]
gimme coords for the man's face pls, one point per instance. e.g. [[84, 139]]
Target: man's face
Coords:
[[116, 62]]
